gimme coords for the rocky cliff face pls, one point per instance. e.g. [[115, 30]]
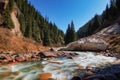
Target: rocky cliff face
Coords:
[[16, 30], [100, 41]]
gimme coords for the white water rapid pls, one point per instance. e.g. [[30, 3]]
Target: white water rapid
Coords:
[[60, 68]]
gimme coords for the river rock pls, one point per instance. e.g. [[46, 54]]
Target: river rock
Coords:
[[2, 57], [20, 58], [9, 58], [4, 74], [116, 62], [48, 54], [52, 49], [117, 75], [56, 62], [45, 76], [95, 77], [52, 79], [81, 67], [76, 78], [110, 77], [88, 73], [5, 61], [89, 67]]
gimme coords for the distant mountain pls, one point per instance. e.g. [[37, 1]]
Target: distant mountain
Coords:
[[25, 21], [110, 16]]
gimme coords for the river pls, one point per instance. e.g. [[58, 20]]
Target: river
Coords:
[[63, 69]]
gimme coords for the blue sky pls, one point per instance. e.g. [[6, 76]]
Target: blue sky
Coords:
[[62, 12]]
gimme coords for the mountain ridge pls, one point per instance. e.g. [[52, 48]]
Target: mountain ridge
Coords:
[[110, 16]]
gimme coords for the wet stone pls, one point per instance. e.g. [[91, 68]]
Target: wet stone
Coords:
[[45, 76], [76, 78]]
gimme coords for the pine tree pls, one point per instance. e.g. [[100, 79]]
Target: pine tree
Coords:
[[1, 7], [10, 5], [70, 35], [113, 9], [118, 4], [89, 29], [96, 24], [7, 20], [46, 41], [67, 35], [106, 13], [73, 35], [22, 23]]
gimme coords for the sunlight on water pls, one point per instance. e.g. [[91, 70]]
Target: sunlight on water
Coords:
[[63, 68]]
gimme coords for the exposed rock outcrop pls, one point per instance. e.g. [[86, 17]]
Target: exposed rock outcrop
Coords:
[[100, 41], [16, 30]]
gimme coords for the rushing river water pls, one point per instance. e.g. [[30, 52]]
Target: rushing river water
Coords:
[[66, 69]]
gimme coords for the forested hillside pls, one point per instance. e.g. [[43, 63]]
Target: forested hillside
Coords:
[[32, 24], [110, 16]]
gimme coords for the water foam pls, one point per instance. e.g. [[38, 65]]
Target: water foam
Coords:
[[68, 66], [65, 70]]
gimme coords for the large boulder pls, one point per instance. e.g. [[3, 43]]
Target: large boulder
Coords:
[[87, 44], [89, 73]]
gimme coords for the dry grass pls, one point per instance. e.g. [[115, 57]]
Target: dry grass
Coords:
[[11, 43]]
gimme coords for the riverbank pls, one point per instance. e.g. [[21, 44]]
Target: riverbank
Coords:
[[110, 53], [93, 64], [6, 58], [27, 57]]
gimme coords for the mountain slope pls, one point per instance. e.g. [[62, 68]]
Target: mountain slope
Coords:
[[101, 32], [35, 26], [110, 16], [12, 37], [12, 43], [106, 39], [16, 30], [24, 20]]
